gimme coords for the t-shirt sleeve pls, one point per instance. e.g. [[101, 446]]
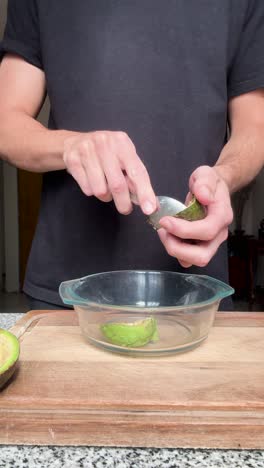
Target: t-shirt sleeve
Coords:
[[247, 71], [21, 34]]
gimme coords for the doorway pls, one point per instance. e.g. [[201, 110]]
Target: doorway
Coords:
[[29, 194]]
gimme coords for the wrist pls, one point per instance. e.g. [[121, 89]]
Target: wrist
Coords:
[[226, 174]]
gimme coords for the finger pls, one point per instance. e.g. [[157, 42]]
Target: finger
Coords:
[[117, 183], [203, 230], [196, 254], [75, 168], [188, 198], [130, 184], [219, 216], [203, 183], [137, 173], [94, 171], [184, 264], [143, 189], [132, 190]]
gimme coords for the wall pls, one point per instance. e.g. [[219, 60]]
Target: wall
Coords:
[[9, 237], [258, 202], [10, 254], [254, 207], [252, 216], [2, 256], [3, 5], [258, 215]]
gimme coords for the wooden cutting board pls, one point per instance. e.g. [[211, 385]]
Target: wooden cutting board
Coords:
[[67, 392]]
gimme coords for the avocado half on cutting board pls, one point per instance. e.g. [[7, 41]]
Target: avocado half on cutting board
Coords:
[[9, 354]]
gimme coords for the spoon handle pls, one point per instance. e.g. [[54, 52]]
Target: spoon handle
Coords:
[[134, 198]]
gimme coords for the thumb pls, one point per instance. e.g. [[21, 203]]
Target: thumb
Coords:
[[203, 183]]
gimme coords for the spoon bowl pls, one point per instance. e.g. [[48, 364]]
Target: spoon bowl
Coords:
[[168, 206]]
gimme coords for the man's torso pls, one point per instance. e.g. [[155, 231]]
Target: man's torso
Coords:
[[156, 70]]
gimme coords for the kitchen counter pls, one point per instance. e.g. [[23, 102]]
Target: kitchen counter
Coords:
[[86, 457]]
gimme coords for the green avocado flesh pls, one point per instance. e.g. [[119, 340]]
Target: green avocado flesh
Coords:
[[9, 353], [193, 212], [131, 335]]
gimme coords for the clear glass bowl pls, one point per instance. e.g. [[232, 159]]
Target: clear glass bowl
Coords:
[[181, 308]]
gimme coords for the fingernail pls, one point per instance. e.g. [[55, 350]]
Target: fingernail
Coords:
[[148, 208]]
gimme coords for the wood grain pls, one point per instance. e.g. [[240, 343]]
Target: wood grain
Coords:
[[69, 392]]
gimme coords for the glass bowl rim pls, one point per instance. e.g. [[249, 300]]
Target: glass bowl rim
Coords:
[[74, 299]]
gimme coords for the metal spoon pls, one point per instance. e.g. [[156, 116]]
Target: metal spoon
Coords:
[[167, 206]]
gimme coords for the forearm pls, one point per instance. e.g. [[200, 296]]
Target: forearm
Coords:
[[27, 144], [241, 158]]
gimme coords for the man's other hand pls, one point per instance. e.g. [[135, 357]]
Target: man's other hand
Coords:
[[196, 242]]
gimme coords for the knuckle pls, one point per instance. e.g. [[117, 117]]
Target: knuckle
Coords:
[[138, 171], [84, 147], [227, 216], [100, 138], [72, 161], [203, 170], [125, 210], [142, 168], [69, 142], [182, 232], [230, 217], [225, 234], [184, 264], [101, 192], [118, 186], [171, 250], [203, 260], [86, 190], [210, 233], [124, 139], [122, 136]]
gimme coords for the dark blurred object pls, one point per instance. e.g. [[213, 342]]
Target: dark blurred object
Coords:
[[244, 252], [239, 260], [239, 200], [256, 250], [261, 229], [239, 247]]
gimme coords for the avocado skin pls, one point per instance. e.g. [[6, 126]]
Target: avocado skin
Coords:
[[7, 375], [9, 366]]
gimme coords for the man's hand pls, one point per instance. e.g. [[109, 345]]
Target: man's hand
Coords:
[[211, 190], [240, 161], [105, 164]]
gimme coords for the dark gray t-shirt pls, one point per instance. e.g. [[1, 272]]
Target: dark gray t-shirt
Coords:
[[163, 72]]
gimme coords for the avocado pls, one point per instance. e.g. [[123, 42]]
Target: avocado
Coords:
[[133, 334], [172, 207], [9, 354], [193, 212]]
